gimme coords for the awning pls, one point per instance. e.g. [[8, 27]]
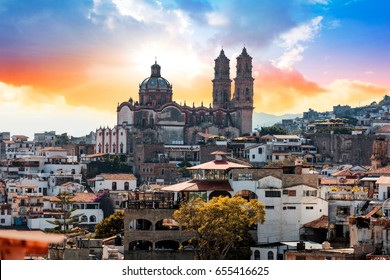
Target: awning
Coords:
[[370, 179]]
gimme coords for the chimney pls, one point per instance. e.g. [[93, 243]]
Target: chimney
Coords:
[[298, 166]]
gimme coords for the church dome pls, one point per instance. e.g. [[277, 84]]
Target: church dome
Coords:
[[155, 82]]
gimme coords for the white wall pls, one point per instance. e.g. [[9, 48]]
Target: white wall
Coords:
[[120, 185], [7, 220], [66, 168]]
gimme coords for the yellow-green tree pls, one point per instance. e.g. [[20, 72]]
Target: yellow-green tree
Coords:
[[110, 226], [221, 225]]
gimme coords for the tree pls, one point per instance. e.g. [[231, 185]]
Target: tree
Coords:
[[110, 226], [105, 203], [64, 219], [183, 168], [272, 130], [284, 162], [221, 225]]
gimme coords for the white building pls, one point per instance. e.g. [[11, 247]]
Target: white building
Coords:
[[114, 182], [259, 153], [112, 141], [5, 216], [383, 184], [89, 211], [291, 200]]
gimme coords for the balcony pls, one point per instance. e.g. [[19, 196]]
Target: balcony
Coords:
[[347, 196]]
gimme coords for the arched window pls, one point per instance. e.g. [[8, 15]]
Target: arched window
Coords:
[[270, 255], [84, 219], [257, 255], [92, 219]]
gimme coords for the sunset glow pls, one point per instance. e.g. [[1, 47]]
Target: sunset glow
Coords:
[[65, 65]]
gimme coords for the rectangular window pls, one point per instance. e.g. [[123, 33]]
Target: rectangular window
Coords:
[[285, 192], [309, 207], [272, 193], [289, 207], [269, 207], [309, 193], [292, 193], [2, 221], [244, 176], [343, 210], [260, 150], [253, 156]]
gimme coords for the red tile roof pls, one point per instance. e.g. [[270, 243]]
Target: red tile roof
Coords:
[[119, 176], [84, 197], [320, 223], [217, 165], [380, 171]]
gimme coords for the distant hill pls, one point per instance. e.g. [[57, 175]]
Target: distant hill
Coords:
[[264, 119]]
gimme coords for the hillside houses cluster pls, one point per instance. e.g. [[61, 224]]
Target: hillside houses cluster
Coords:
[[326, 194]]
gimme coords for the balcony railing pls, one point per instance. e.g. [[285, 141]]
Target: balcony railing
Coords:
[[347, 196]]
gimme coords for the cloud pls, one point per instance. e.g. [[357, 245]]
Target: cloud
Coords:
[[293, 40], [25, 115], [280, 91]]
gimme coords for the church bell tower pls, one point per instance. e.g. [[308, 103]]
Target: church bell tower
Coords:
[[243, 92], [221, 82]]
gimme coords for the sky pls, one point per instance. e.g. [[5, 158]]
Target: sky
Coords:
[[65, 65]]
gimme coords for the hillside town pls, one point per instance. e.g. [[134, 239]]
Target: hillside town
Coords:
[[324, 179]]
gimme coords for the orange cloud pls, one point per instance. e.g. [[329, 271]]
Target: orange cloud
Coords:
[[280, 91]]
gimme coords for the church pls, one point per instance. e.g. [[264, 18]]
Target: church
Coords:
[[157, 118]]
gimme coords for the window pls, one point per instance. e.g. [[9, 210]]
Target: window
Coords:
[[309, 207], [270, 255], [257, 255], [269, 207], [289, 207], [114, 186], [272, 193], [84, 219], [2, 221], [92, 219], [260, 151], [244, 176], [292, 193], [126, 186], [253, 156], [309, 193], [343, 210]]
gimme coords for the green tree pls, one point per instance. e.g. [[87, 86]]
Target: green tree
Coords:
[[221, 226], [64, 219], [182, 167], [273, 130], [110, 226]]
